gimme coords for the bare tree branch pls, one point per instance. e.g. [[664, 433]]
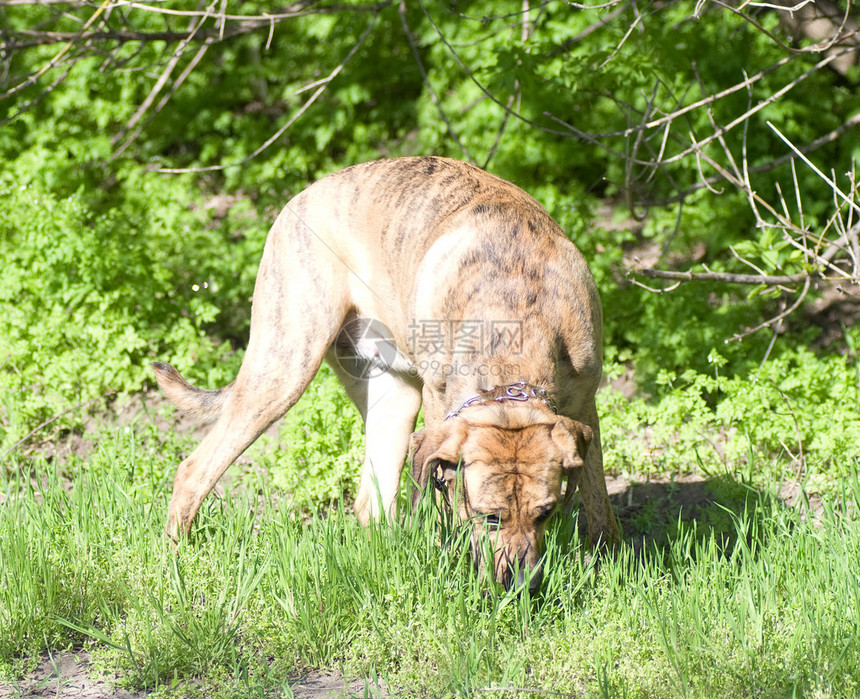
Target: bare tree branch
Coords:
[[240, 25], [31, 80], [778, 318], [581, 134], [323, 84], [743, 118], [163, 78], [845, 244], [413, 45], [810, 147], [725, 277]]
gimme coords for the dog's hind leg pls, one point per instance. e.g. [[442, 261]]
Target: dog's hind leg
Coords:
[[389, 403], [297, 311]]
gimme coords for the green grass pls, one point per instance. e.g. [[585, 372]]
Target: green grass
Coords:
[[765, 606]]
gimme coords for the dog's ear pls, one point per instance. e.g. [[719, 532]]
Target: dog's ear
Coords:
[[435, 449], [573, 438]]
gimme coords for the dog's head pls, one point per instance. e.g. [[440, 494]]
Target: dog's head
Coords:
[[513, 460]]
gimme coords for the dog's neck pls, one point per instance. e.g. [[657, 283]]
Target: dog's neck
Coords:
[[470, 368], [498, 383], [519, 392]]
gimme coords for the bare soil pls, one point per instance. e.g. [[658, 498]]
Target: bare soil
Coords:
[[66, 675], [70, 674]]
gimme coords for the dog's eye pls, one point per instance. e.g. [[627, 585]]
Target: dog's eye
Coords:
[[492, 520], [544, 515]]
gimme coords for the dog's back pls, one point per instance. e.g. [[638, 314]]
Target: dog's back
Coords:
[[428, 237]]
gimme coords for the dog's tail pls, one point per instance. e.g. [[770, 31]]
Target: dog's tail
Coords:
[[204, 405]]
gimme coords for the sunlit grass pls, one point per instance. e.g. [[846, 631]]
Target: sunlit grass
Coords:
[[258, 596]]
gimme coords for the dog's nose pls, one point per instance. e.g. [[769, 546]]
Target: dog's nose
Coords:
[[517, 576]]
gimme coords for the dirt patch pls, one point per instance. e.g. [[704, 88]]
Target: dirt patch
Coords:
[[66, 675], [688, 491], [651, 507], [648, 506], [833, 311], [70, 674], [324, 684]]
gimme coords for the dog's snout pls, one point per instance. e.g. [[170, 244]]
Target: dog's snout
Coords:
[[534, 576], [515, 574]]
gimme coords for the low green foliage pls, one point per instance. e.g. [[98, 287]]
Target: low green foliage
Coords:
[[91, 292], [766, 606], [798, 406], [317, 456]]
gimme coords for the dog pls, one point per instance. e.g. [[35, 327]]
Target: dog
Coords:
[[425, 281]]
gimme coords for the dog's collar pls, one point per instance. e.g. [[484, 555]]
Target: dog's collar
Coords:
[[519, 392]]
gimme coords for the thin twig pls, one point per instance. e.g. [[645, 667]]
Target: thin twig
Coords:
[[241, 25], [292, 120], [630, 29], [741, 179], [599, 24], [570, 129], [159, 84], [501, 130], [56, 59], [413, 45], [702, 102], [9, 3], [32, 103], [776, 328], [727, 277], [800, 459], [784, 314], [815, 169], [770, 35], [524, 11], [699, 145], [820, 142], [793, 8], [823, 259], [52, 420], [666, 290], [259, 20]]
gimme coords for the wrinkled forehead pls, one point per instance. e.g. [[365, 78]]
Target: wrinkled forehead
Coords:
[[505, 466], [515, 450], [496, 488]]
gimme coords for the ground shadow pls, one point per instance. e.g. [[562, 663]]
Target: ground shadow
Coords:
[[653, 509]]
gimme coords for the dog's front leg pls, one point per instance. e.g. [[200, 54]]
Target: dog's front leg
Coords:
[[602, 526], [389, 403]]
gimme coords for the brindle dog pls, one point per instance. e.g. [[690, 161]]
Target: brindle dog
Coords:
[[425, 279]]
